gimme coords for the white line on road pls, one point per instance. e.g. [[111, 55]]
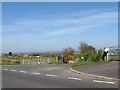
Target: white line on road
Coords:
[[23, 71], [50, 75], [36, 73], [13, 70], [74, 78], [103, 82], [5, 69]]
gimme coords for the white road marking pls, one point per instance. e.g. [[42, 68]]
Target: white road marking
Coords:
[[23, 71], [103, 82], [74, 78], [36, 73], [13, 70], [5, 69], [50, 75]]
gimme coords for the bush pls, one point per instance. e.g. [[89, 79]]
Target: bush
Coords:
[[9, 62], [17, 62], [87, 51], [68, 54], [93, 55], [99, 55], [69, 57]]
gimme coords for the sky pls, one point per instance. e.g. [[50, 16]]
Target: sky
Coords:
[[50, 26]]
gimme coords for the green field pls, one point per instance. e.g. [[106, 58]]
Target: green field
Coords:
[[114, 57]]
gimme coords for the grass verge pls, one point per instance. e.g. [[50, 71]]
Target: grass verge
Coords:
[[10, 63], [56, 62], [82, 62]]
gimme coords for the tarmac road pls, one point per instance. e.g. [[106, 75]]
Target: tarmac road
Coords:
[[49, 76], [107, 69]]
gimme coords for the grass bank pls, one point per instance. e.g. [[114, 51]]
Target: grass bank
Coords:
[[56, 62], [82, 63], [10, 63]]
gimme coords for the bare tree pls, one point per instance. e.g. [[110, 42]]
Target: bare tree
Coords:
[[85, 47], [69, 51]]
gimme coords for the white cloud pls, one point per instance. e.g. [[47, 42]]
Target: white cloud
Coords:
[[60, 26], [84, 24], [94, 17]]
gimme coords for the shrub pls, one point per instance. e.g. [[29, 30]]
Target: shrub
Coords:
[[17, 62], [69, 54], [88, 52]]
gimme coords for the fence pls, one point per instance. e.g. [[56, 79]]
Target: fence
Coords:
[[34, 62]]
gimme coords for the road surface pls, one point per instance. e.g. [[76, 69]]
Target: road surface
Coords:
[[107, 69], [49, 76]]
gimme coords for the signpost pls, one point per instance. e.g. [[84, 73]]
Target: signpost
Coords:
[[62, 57]]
